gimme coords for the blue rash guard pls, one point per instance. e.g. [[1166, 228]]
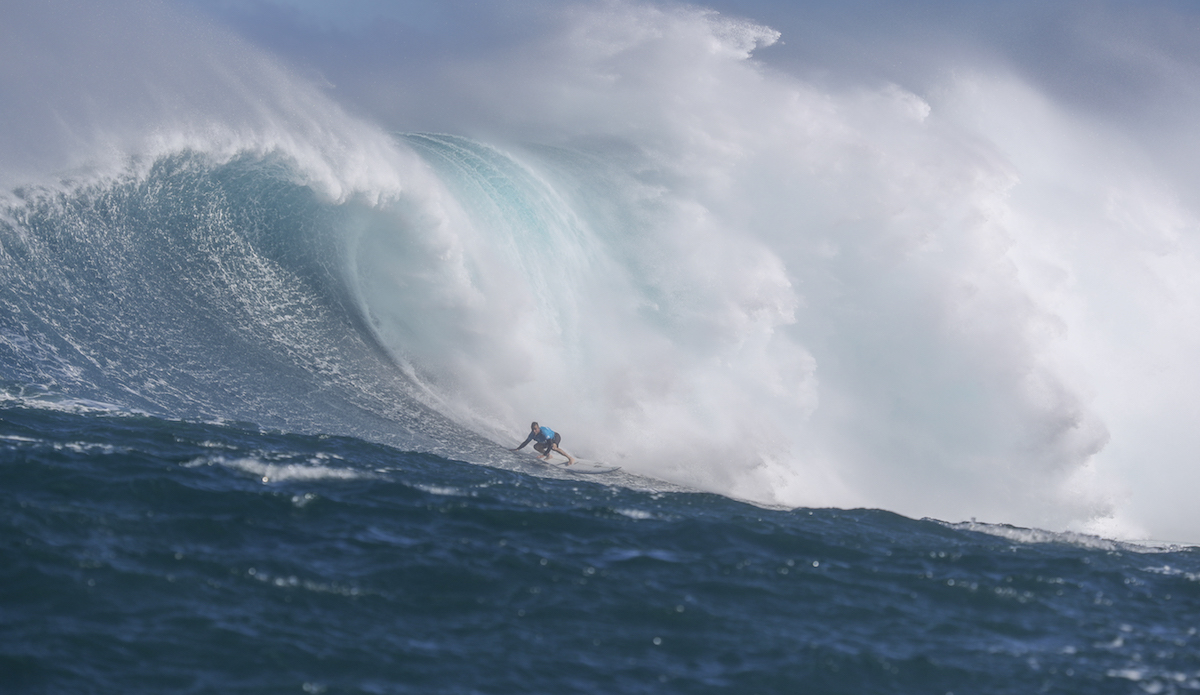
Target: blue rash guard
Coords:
[[542, 435]]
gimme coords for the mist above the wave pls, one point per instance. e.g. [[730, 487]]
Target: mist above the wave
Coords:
[[814, 299], [88, 89], [945, 303]]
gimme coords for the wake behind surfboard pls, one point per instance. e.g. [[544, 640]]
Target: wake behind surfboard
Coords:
[[585, 467], [582, 466]]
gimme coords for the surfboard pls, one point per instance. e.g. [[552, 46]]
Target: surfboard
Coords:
[[585, 467]]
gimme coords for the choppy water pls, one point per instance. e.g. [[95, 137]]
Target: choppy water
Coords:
[[143, 555]]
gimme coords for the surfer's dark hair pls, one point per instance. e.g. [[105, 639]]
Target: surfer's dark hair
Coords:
[[533, 424]]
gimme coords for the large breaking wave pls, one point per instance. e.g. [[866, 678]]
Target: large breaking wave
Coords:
[[715, 273]]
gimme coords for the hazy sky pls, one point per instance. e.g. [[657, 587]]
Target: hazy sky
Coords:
[[1130, 64], [1115, 57]]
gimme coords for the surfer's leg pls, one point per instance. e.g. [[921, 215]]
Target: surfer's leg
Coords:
[[554, 446], [570, 458]]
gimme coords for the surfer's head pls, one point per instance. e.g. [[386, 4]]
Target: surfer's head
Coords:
[[534, 426]]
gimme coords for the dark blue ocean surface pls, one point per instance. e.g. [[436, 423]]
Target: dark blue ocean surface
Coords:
[[144, 555]]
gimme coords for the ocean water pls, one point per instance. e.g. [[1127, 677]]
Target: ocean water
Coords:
[[145, 555], [897, 361]]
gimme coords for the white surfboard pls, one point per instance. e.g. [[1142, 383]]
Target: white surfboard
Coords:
[[585, 467]]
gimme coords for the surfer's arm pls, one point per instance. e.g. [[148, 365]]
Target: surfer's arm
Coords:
[[527, 440]]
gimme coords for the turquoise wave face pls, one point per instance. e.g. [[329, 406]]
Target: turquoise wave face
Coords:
[[197, 289]]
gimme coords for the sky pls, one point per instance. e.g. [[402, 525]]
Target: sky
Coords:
[[1130, 65], [1111, 57]]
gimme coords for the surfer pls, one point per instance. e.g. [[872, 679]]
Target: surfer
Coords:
[[547, 441]]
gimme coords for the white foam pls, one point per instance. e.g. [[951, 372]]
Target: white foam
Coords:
[[18, 438], [1173, 572], [66, 404], [294, 582], [1084, 540], [441, 490], [846, 296], [276, 472]]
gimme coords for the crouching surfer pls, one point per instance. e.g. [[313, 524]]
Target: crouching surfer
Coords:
[[547, 440]]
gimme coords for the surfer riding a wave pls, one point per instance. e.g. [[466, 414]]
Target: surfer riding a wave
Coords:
[[547, 441]]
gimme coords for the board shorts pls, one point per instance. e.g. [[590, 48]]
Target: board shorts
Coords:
[[547, 445]]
